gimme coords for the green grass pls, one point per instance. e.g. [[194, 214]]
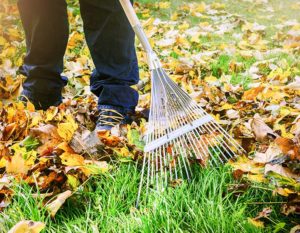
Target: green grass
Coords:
[[107, 204], [208, 204]]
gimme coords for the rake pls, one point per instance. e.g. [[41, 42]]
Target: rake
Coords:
[[179, 131]]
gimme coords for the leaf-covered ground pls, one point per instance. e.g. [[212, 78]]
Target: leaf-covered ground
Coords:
[[237, 59]]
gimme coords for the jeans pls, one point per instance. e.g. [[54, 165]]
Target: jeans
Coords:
[[110, 39]]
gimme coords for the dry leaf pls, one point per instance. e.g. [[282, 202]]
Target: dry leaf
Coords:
[[27, 227], [256, 223], [272, 152], [55, 205], [260, 129], [17, 165], [288, 147], [295, 229], [280, 170], [67, 130], [72, 160], [252, 93]]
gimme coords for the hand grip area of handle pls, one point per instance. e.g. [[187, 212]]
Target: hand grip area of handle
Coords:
[[130, 13]]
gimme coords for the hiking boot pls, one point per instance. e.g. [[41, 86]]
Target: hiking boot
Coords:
[[111, 116]]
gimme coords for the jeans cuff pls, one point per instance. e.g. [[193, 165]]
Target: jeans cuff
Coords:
[[121, 110], [51, 100]]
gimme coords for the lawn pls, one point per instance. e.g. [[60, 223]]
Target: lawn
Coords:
[[214, 201]]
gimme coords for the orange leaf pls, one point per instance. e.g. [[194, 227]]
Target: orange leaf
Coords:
[[252, 93]]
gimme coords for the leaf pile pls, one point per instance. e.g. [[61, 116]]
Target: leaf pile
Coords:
[[231, 65]]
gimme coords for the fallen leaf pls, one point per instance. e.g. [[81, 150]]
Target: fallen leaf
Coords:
[[260, 129], [288, 147], [279, 169], [295, 229], [67, 130], [71, 160], [272, 152], [94, 167], [252, 93], [17, 165], [256, 223], [26, 226], [55, 205]]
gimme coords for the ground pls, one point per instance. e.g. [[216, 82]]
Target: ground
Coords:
[[237, 59]]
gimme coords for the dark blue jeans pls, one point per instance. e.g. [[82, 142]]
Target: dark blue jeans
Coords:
[[109, 38]]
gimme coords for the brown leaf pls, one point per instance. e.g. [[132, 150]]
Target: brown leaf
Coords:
[[45, 133], [48, 136], [265, 213], [288, 147], [238, 174], [272, 152], [107, 139], [288, 209], [260, 129], [175, 183]]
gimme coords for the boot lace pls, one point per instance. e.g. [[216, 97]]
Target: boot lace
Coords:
[[110, 117]]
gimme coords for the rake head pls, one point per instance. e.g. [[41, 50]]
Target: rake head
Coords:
[[180, 133]]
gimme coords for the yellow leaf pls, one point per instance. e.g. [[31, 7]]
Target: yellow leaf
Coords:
[[201, 7], [35, 120], [2, 41], [283, 191], [164, 5], [226, 106], [174, 17], [259, 178], [9, 52], [94, 167], [30, 107], [284, 133], [275, 96], [247, 165], [256, 223], [123, 152], [27, 227], [17, 165], [67, 130], [73, 181], [72, 160], [218, 6], [14, 33], [51, 113], [184, 26]]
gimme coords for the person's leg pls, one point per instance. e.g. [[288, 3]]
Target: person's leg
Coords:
[[46, 28], [111, 41]]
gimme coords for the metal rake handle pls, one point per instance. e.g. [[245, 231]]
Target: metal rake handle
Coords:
[[130, 13], [136, 24]]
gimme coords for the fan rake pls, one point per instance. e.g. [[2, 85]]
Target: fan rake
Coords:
[[179, 131]]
